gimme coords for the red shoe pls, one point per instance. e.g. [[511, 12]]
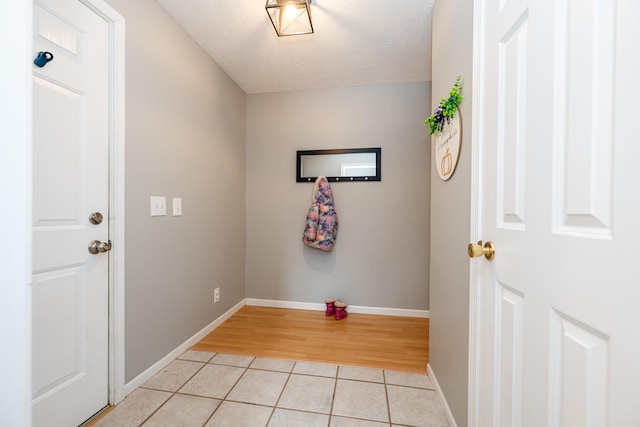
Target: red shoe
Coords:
[[331, 307], [341, 310]]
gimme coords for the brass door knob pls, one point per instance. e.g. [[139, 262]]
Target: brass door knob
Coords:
[[477, 249]]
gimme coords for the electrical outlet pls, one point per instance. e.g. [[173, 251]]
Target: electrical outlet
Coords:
[[216, 295]]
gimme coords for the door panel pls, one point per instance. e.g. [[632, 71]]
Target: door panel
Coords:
[[509, 344], [70, 181], [59, 335], [583, 122], [59, 30], [578, 373], [56, 182], [512, 122]]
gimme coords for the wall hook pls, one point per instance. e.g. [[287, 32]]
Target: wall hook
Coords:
[[42, 58]]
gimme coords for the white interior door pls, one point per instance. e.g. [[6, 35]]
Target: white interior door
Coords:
[[70, 181], [557, 310]]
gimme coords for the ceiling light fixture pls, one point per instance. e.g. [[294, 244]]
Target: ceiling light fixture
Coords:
[[290, 17]]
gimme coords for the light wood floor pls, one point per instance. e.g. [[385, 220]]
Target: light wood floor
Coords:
[[394, 343]]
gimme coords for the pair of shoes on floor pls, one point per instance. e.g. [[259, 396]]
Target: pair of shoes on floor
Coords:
[[336, 308]]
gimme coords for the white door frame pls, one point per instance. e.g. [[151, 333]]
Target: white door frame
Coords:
[[475, 222], [116, 194], [16, 20]]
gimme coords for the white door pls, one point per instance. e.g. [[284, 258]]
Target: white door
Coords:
[[558, 310], [70, 181]]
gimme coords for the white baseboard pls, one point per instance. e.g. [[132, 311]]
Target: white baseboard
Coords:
[[160, 364], [285, 304], [382, 311], [443, 400]]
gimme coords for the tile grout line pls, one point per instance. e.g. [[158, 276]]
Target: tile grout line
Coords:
[[333, 396], [386, 395], [196, 395], [273, 410], [230, 388], [367, 382], [217, 407], [173, 393]]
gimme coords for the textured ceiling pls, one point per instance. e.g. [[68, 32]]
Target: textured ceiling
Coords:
[[356, 42]]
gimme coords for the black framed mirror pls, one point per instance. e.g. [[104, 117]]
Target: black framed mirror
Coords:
[[339, 165]]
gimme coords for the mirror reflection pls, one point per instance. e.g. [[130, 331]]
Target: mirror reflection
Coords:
[[357, 164]]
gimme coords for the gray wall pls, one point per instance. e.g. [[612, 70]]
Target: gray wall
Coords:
[[450, 215], [381, 257], [185, 134]]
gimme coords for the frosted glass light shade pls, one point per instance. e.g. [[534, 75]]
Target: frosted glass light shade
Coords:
[[290, 17]]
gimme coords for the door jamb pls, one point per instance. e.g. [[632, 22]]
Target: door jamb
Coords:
[[473, 410], [116, 195], [15, 221]]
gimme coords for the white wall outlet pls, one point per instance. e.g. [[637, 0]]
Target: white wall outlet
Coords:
[[177, 206], [158, 206], [216, 295]]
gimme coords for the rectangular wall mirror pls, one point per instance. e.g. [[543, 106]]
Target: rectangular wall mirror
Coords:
[[350, 164]]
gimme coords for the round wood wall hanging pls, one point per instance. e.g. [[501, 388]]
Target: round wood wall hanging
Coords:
[[448, 142]]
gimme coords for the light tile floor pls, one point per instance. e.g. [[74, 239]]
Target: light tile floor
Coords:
[[225, 390]]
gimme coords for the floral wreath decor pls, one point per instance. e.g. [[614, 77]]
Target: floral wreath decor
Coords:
[[446, 110]]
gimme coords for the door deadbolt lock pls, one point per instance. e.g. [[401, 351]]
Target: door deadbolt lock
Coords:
[[477, 249], [96, 247], [95, 218]]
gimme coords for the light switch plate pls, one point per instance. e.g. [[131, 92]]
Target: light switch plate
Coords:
[[177, 206], [158, 206]]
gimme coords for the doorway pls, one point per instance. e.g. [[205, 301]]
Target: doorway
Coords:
[[77, 215]]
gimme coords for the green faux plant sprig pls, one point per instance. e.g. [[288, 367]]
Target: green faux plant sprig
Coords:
[[446, 110]]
